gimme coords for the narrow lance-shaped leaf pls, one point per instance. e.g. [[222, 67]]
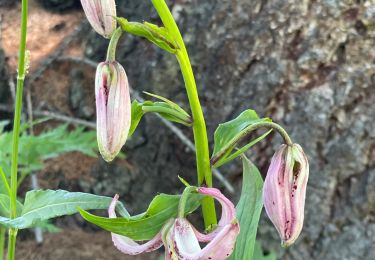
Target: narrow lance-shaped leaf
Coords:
[[229, 134], [157, 35], [146, 225], [248, 211], [41, 205]]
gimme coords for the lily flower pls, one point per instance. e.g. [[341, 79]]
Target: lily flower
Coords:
[[113, 108], [181, 239], [100, 14], [127, 245], [285, 190]]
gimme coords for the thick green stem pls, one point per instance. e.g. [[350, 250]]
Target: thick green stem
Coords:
[[16, 128], [2, 241], [111, 51], [12, 243], [199, 125]]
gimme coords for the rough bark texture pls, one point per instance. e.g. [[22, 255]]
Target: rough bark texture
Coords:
[[307, 64]]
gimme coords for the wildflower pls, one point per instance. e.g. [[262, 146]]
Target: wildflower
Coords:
[[100, 14], [284, 191], [181, 239], [113, 108]]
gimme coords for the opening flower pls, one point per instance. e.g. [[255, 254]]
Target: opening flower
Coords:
[[181, 239], [285, 190]]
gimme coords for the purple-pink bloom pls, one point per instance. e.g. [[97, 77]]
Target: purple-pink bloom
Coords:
[[285, 190], [113, 108], [101, 14], [127, 245], [181, 239]]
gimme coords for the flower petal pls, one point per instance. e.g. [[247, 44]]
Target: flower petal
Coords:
[[228, 213], [182, 240], [127, 245]]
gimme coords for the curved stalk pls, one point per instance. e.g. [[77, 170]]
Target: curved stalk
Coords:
[[111, 51]]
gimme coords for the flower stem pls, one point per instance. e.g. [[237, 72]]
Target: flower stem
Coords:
[[111, 51], [199, 125], [2, 241], [16, 128]]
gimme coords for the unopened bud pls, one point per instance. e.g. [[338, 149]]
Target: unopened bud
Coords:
[[113, 108], [101, 15], [285, 190]]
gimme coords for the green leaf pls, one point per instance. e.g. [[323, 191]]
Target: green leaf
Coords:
[[136, 116], [46, 226], [146, 225], [169, 103], [259, 255], [4, 184], [229, 134], [5, 206], [41, 205], [248, 211], [47, 145], [155, 34]]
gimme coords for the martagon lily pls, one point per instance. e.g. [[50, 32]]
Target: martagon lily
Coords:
[[113, 108], [101, 14], [285, 190], [181, 239]]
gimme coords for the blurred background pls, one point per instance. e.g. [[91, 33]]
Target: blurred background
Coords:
[[309, 65]]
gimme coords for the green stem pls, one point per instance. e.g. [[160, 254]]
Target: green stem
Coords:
[[2, 241], [199, 125], [16, 128], [111, 51], [12, 243]]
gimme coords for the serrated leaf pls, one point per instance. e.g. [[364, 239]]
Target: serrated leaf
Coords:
[[248, 211], [229, 134], [41, 205], [146, 225], [47, 145]]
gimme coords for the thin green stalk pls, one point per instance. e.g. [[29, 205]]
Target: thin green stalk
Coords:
[[2, 241], [111, 51], [16, 128], [199, 125]]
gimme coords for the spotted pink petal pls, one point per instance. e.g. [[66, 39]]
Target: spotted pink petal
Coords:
[[285, 190], [182, 240], [127, 245]]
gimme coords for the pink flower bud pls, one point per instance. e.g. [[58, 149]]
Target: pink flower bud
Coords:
[[100, 14], [285, 190], [113, 108]]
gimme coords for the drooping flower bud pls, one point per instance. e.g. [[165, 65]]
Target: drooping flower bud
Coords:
[[100, 14], [113, 108], [284, 191]]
